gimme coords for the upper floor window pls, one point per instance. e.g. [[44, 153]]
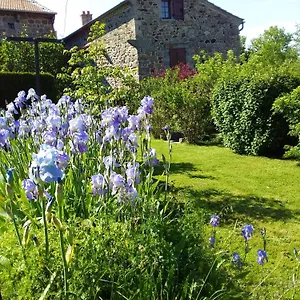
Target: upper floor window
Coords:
[[11, 25], [165, 9], [172, 9]]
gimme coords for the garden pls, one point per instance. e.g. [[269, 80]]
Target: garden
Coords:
[[98, 200]]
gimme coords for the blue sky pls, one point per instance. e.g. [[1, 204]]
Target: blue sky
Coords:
[[258, 14]]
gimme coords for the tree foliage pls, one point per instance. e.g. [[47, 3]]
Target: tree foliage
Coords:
[[20, 56], [272, 48], [88, 76]]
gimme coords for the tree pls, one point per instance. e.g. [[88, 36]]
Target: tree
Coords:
[[273, 48], [19, 56], [87, 72]]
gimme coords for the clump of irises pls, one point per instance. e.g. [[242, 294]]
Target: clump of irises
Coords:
[[247, 233], [96, 155]]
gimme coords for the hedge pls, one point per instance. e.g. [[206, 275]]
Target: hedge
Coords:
[[242, 109], [12, 83]]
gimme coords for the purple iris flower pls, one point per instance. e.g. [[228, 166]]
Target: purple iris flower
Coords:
[[4, 136], [214, 220], [11, 109], [146, 107], [53, 121], [30, 189], [50, 138], [212, 241], [64, 101], [44, 166], [32, 94], [117, 182], [3, 122], [236, 260], [261, 257], [110, 162], [114, 116], [132, 142], [80, 140], [151, 158], [131, 193], [134, 122], [20, 100], [133, 173], [77, 125], [9, 176], [98, 185], [247, 232]]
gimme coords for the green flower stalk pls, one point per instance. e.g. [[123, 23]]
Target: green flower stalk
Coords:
[[9, 188], [57, 221], [44, 212]]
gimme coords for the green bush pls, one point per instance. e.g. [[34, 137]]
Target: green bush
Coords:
[[289, 106], [242, 109], [184, 105], [12, 83]]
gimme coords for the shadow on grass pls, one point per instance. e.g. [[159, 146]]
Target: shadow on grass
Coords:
[[183, 168], [232, 207], [200, 176], [176, 168]]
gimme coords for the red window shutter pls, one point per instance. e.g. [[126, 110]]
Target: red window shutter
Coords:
[[177, 55], [173, 57], [181, 55], [178, 9]]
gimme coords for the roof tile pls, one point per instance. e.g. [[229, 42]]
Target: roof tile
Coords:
[[24, 6]]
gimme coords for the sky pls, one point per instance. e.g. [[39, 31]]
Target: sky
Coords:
[[259, 15]]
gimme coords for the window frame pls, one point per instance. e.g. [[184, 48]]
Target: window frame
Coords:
[[11, 25], [165, 7]]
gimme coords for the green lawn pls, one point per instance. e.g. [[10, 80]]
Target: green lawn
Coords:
[[245, 190]]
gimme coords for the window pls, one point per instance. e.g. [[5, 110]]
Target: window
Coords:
[[165, 10], [172, 9], [177, 55], [11, 25]]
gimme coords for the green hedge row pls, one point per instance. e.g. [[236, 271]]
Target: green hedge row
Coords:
[[242, 108], [12, 83]]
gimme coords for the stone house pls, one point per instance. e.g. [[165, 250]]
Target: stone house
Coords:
[[15, 14], [147, 34]]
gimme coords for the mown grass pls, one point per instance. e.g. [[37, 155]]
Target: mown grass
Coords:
[[243, 190]]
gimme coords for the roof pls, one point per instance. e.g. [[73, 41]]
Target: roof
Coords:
[[89, 24], [222, 11], [24, 6]]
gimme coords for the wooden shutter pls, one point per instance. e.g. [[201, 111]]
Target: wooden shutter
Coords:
[[177, 55], [181, 55], [178, 9]]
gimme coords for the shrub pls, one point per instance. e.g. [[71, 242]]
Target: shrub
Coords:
[[182, 104], [289, 106], [242, 109], [12, 83]]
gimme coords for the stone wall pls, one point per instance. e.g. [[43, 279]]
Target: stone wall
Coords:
[[37, 24], [119, 51], [205, 27], [137, 37]]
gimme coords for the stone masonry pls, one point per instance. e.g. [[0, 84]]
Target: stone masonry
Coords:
[[12, 24], [16, 15], [137, 37]]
